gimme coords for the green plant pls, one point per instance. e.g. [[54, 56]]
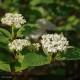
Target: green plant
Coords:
[[18, 51]]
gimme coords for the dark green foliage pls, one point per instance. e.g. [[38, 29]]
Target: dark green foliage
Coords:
[[65, 14], [69, 54]]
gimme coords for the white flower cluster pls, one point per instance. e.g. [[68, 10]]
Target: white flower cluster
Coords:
[[18, 44], [54, 42], [12, 19]]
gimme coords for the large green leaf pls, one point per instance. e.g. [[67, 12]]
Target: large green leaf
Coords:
[[34, 59], [69, 54], [26, 30], [4, 66]]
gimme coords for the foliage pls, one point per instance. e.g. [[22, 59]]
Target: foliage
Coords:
[[65, 16]]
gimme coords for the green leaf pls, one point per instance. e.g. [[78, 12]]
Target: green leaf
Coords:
[[20, 57], [26, 30], [4, 36], [4, 66], [6, 58], [18, 66], [34, 59], [45, 51], [5, 33], [4, 39], [69, 54], [4, 46]]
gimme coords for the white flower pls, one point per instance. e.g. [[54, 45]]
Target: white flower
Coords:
[[12, 19], [18, 44], [54, 42]]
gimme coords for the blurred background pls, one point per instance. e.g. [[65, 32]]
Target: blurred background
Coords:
[[64, 16]]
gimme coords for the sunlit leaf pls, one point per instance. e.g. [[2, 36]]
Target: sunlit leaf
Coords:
[[34, 59]]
